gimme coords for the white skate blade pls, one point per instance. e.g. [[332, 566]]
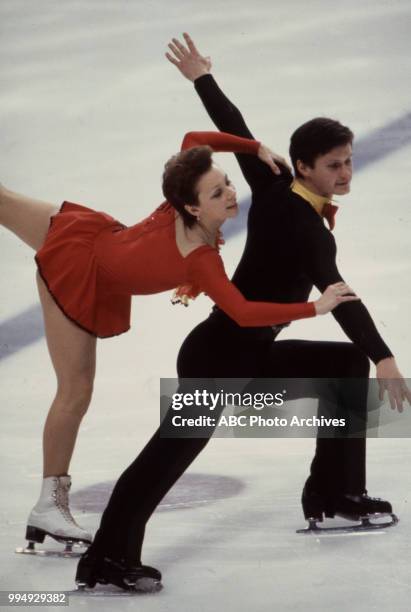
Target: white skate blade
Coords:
[[367, 526]]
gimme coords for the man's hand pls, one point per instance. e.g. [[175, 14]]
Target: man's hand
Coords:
[[391, 380], [188, 60]]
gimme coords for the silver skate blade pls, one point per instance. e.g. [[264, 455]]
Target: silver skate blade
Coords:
[[147, 585], [105, 591], [81, 586], [366, 526], [49, 553], [67, 552]]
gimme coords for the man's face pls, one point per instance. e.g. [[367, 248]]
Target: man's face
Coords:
[[331, 174]]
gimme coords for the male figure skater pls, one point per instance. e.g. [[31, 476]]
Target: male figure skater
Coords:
[[288, 250]]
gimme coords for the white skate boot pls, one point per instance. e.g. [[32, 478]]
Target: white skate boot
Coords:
[[51, 516]]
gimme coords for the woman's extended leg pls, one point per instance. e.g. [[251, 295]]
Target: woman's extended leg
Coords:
[[29, 219], [73, 354]]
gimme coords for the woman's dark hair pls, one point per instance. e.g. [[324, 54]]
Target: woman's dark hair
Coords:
[[181, 175], [317, 137]]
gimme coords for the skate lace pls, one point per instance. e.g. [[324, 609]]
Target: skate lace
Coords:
[[60, 495]]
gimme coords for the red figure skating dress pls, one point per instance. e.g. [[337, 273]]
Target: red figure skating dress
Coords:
[[93, 264]]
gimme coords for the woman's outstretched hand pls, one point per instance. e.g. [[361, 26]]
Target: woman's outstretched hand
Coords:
[[269, 157], [188, 59], [333, 296]]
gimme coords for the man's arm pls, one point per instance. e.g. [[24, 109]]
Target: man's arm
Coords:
[[353, 318], [221, 110], [319, 254]]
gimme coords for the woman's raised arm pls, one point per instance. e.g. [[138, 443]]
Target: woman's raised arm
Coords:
[[222, 142]]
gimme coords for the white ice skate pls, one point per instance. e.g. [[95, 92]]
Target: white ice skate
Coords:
[[51, 516]]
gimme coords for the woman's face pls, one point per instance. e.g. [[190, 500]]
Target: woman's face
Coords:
[[216, 197]]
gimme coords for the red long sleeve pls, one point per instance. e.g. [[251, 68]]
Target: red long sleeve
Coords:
[[206, 269], [221, 142]]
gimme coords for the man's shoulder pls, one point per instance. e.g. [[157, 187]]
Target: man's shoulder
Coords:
[[309, 226], [302, 207], [304, 213], [279, 187], [294, 204]]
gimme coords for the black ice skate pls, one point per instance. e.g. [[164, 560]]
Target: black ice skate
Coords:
[[366, 511], [139, 578]]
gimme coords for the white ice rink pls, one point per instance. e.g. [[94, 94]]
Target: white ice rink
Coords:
[[89, 111]]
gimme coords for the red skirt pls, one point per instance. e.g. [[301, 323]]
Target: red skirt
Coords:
[[81, 288]]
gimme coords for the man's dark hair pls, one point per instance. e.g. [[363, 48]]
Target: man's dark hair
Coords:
[[317, 137], [181, 175]]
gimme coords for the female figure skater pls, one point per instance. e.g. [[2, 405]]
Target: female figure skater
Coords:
[[89, 266]]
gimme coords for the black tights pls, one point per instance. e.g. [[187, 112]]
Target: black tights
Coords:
[[214, 351]]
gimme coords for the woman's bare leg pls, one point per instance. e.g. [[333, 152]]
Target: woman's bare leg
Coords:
[[26, 217], [72, 350], [73, 354]]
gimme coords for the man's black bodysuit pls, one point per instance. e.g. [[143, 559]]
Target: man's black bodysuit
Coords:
[[288, 250]]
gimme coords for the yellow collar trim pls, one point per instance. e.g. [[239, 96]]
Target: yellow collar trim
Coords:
[[316, 201]]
